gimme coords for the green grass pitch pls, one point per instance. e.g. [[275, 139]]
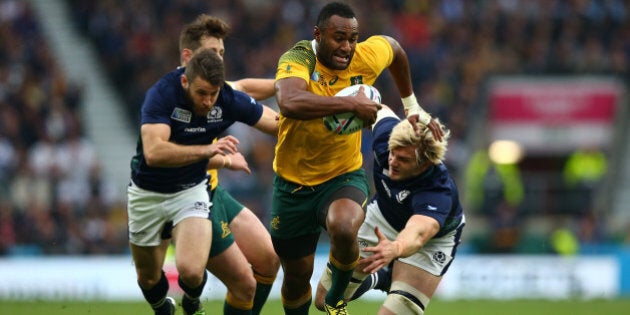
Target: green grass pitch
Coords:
[[359, 307]]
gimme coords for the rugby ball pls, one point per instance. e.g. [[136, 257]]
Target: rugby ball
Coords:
[[347, 123]]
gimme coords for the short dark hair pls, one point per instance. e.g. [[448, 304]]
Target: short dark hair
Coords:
[[334, 8], [207, 65], [203, 25]]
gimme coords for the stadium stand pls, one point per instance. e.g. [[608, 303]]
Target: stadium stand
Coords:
[[454, 47]]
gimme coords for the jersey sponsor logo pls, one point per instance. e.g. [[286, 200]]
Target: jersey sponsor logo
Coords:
[[356, 80], [402, 195], [195, 130], [215, 114], [333, 80], [181, 114]]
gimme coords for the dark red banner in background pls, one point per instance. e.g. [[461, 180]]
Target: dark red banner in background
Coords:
[[554, 114]]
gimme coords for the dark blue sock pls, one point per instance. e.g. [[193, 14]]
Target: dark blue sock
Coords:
[[191, 302], [156, 296]]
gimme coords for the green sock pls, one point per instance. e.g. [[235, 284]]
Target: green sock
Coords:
[[262, 293], [231, 310], [301, 310], [340, 280]]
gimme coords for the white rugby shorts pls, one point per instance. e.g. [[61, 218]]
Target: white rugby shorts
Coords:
[[148, 211], [434, 257]]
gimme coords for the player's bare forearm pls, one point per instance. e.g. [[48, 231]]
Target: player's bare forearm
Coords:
[[159, 152], [399, 69], [259, 89], [297, 103], [417, 232], [268, 122]]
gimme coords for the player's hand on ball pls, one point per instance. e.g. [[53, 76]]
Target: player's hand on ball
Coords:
[[366, 108], [366, 101]]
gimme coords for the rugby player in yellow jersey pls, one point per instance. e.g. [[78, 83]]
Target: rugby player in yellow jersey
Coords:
[[319, 182], [249, 267]]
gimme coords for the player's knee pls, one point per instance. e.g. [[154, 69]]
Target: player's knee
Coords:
[[265, 278], [239, 300], [191, 276], [341, 233], [405, 299], [295, 282], [267, 267], [147, 282], [274, 264], [242, 292], [343, 226], [148, 278]]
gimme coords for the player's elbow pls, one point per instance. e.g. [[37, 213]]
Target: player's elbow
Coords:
[[152, 158], [289, 109]]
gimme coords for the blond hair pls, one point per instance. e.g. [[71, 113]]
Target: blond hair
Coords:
[[427, 147]]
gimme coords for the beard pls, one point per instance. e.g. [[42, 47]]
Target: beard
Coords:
[[197, 109]]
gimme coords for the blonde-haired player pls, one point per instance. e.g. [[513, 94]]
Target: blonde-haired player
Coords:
[[415, 218]]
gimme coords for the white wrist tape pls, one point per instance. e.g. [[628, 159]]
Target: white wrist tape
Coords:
[[410, 103]]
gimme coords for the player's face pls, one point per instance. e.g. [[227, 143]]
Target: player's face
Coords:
[[403, 164], [201, 94], [212, 43], [336, 42]]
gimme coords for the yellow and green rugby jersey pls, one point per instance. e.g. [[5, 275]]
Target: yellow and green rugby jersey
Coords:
[[306, 152]]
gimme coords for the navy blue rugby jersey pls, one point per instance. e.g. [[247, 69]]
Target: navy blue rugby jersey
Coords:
[[432, 193], [166, 103]]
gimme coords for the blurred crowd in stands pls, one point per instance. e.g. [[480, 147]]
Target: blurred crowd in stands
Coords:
[[53, 196]]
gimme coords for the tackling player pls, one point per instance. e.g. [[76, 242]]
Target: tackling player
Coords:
[[417, 205]]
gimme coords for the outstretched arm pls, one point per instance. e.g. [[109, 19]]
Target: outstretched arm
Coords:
[[268, 122], [259, 89], [159, 152], [418, 230]]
